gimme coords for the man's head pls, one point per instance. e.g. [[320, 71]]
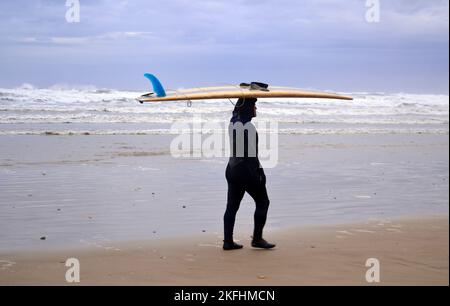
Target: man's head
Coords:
[[246, 108]]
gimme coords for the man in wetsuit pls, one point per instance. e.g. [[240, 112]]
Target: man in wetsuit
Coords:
[[245, 174]]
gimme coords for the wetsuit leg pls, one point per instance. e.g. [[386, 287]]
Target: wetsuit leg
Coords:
[[236, 191], [257, 190]]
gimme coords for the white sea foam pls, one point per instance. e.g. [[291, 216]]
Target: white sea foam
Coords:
[[88, 105]]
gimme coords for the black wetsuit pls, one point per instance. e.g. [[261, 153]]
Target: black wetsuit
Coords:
[[245, 174]]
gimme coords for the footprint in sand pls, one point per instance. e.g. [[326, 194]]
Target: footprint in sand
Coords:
[[384, 222], [349, 233], [6, 264], [395, 230], [100, 245], [363, 196], [190, 257], [110, 248], [346, 233], [208, 245], [262, 277], [378, 164], [364, 231]]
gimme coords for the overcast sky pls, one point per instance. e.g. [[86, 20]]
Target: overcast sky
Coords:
[[318, 44]]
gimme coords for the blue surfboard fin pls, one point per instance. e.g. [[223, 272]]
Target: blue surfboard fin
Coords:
[[157, 87]]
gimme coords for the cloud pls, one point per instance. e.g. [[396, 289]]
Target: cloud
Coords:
[[103, 38], [81, 40], [27, 40], [307, 40], [235, 23]]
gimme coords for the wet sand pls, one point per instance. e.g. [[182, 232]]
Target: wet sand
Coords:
[[132, 214], [78, 191], [411, 251]]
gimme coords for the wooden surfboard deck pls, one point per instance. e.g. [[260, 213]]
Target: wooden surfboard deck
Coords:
[[234, 92]]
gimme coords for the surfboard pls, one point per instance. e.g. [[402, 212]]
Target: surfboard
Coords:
[[252, 90]]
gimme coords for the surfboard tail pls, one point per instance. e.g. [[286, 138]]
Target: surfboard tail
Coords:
[[156, 84]]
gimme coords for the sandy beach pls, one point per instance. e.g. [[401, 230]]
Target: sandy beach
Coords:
[[411, 251], [115, 125], [134, 215]]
